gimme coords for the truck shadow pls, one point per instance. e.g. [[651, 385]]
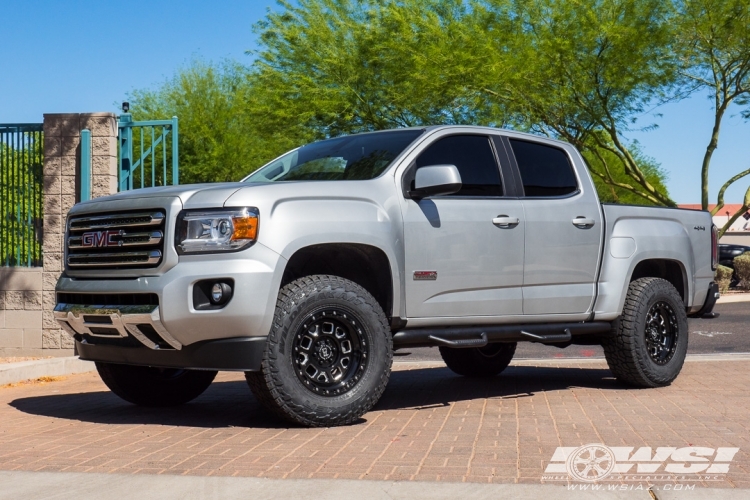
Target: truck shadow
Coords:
[[231, 404]]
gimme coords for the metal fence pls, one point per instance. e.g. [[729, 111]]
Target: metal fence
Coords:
[[21, 167], [145, 157]]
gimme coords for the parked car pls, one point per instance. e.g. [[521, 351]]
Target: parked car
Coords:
[[313, 270], [727, 253]]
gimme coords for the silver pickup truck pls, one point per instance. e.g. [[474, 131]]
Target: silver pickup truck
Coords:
[[309, 273]]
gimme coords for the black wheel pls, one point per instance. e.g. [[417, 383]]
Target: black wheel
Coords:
[[328, 356], [147, 386], [648, 343], [485, 361]]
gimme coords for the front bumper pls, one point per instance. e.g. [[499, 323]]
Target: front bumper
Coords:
[[172, 322], [237, 354], [111, 322]]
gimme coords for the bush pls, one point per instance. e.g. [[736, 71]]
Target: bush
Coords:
[[742, 269], [723, 277]]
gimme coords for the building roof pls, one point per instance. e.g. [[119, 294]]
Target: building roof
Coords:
[[729, 207]]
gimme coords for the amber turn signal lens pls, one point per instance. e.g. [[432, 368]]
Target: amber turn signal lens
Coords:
[[245, 228]]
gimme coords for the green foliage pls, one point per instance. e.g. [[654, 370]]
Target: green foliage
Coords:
[[742, 269], [579, 71], [342, 66], [20, 204], [222, 138], [611, 192], [723, 277], [714, 44], [586, 71], [576, 71]]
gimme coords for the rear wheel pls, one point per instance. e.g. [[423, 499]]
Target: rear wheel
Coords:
[[147, 386], [485, 361], [329, 353], [648, 343]]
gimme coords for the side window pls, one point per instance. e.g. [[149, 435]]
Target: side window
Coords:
[[473, 157], [545, 170]]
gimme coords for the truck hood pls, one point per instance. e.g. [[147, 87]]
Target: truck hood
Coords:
[[191, 195], [264, 196]]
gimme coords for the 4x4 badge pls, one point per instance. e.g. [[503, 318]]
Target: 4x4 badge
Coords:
[[425, 275]]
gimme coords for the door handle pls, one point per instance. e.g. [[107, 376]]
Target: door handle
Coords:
[[505, 221], [582, 222]]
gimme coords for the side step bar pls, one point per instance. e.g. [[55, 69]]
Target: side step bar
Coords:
[[565, 336], [480, 342], [479, 336]]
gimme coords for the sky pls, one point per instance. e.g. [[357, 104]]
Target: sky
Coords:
[[85, 56]]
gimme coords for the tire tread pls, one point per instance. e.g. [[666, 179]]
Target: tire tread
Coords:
[[624, 356], [266, 384]]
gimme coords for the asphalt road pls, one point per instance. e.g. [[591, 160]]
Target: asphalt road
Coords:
[[729, 333]]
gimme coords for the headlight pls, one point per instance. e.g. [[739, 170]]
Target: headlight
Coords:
[[216, 230]]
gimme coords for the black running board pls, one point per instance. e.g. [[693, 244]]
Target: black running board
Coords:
[[479, 336]]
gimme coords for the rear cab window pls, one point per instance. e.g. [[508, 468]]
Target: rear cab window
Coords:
[[545, 170]]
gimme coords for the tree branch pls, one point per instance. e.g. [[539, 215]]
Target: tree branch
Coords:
[[720, 197]]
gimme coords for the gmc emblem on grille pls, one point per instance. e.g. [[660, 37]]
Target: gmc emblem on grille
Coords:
[[101, 239]]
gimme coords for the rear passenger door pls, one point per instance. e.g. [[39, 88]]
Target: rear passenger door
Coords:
[[563, 230]]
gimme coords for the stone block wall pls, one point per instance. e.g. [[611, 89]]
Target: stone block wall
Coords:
[[27, 296], [20, 311]]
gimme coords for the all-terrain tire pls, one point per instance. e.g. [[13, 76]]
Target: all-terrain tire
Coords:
[[147, 386], [485, 361], [637, 350], [320, 321]]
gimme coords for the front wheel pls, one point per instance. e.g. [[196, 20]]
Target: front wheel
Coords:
[[328, 356], [648, 343], [147, 386], [485, 361]]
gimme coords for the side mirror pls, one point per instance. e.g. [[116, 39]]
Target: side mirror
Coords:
[[436, 180]]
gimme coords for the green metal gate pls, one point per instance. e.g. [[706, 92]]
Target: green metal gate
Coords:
[[145, 158], [21, 167]]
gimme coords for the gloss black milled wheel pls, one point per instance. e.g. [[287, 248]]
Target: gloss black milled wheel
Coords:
[[330, 351], [661, 332], [648, 343], [328, 356]]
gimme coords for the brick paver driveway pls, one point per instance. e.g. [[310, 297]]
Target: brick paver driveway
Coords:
[[430, 425]]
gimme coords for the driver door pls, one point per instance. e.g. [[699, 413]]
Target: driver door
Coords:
[[458, 262]]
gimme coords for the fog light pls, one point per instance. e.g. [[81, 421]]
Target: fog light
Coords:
[[212, 293], [217, 293]]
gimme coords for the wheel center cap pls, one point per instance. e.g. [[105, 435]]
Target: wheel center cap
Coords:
[[325, 351]]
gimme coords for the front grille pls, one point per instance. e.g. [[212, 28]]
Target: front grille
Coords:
[[116, 241]]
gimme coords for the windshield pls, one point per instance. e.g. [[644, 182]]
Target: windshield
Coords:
[[352, 158]]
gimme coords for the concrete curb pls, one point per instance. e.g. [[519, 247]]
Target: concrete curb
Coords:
[[10, 373], [739, 297], [739, 356], [84, 485]]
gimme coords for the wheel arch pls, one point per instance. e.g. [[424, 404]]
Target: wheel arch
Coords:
[[670, 270], [366, 265]]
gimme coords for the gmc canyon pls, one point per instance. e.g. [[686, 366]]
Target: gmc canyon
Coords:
[[309, 273]]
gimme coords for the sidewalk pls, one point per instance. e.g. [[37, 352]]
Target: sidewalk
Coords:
[[82, 486], [431, 426], [734, 297], [10, 373]]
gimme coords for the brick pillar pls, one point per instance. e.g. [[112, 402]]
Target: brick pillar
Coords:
[[62, 157]]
